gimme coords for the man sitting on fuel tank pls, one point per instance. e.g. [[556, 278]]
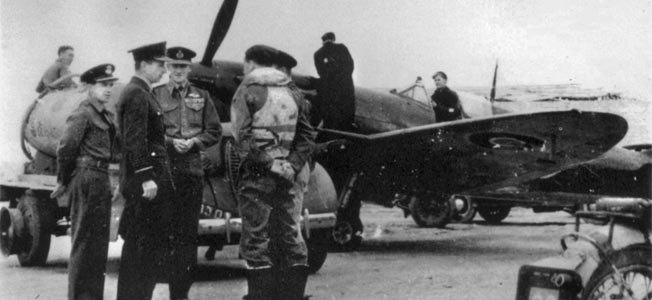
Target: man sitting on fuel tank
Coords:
[[59, 69], [191, 125], [83, 155], [274, 138]]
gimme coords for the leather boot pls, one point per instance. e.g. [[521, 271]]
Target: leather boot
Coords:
[[293, 283], [260, 284]]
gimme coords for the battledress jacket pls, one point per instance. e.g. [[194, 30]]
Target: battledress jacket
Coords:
[[89, 133], [188, 115]]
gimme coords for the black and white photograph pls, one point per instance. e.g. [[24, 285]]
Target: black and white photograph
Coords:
[[290, 150]]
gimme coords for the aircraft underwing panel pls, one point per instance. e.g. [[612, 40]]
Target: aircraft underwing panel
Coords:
[[488, 153]]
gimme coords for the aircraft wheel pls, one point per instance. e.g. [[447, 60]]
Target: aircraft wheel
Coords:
[[344, 238], [465, 209], [318, 248], [429, 212], [628, 276], [494, 215], [39, 222]]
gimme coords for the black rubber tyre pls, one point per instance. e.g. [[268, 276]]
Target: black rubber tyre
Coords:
[[318, 244], [429, 213], [344, 231], [494, 215], [39, 219], [635, 265]]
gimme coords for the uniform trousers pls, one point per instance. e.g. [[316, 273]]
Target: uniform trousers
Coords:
[[182, 257], [270, 207], [90, 211], [146, 230]]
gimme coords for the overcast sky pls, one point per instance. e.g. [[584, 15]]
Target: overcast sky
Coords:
[[596, 43]]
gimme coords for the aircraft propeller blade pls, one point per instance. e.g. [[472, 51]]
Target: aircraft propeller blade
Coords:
[[220, 28], [492, 96]]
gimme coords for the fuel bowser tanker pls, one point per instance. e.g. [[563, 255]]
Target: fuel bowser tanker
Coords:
[[32, 217]]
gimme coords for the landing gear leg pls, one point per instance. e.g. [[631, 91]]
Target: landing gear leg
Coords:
[[348, 229]]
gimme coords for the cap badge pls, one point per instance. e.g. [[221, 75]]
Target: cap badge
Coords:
[[109, 70], [179, 54]]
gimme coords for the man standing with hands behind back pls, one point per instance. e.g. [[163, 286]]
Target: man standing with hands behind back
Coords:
[[145, 179], [273, 137], [83, 156], [191, 125]]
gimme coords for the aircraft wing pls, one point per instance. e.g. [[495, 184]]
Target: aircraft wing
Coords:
[[482, 154], [620, 172]]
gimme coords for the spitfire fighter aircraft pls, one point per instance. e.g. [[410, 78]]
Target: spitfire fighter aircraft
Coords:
[[399, 156]]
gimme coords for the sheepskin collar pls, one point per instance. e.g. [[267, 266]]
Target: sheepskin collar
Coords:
[[266, 76]]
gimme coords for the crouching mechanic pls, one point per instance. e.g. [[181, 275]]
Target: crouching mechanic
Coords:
[[83, 156], [191, 125], [274, 138]]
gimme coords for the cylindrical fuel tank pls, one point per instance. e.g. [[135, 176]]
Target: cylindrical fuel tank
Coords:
[[45, 120], [321, 196]]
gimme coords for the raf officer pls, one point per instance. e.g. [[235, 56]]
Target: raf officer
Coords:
[[83, 156], [145, 178], [274, 138], [191, 125]]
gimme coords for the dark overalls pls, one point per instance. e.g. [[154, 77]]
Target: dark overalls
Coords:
[[83, 156], [336, 106], [447, 105], [189, 113]]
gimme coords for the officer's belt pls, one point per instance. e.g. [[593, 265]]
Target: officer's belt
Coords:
[[89, 162], [172, 152], [267, 143]]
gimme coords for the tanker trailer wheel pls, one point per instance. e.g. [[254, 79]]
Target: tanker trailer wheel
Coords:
[[38, 216], [318, 244], [430, 212], [11, 227], [465, 209], [633, 279], [494, 215]]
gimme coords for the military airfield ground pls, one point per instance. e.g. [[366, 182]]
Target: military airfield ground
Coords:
[[397, 260]]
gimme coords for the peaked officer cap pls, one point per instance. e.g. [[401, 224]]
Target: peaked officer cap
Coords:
[[99, 73], [180, 55], [150, 52]]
